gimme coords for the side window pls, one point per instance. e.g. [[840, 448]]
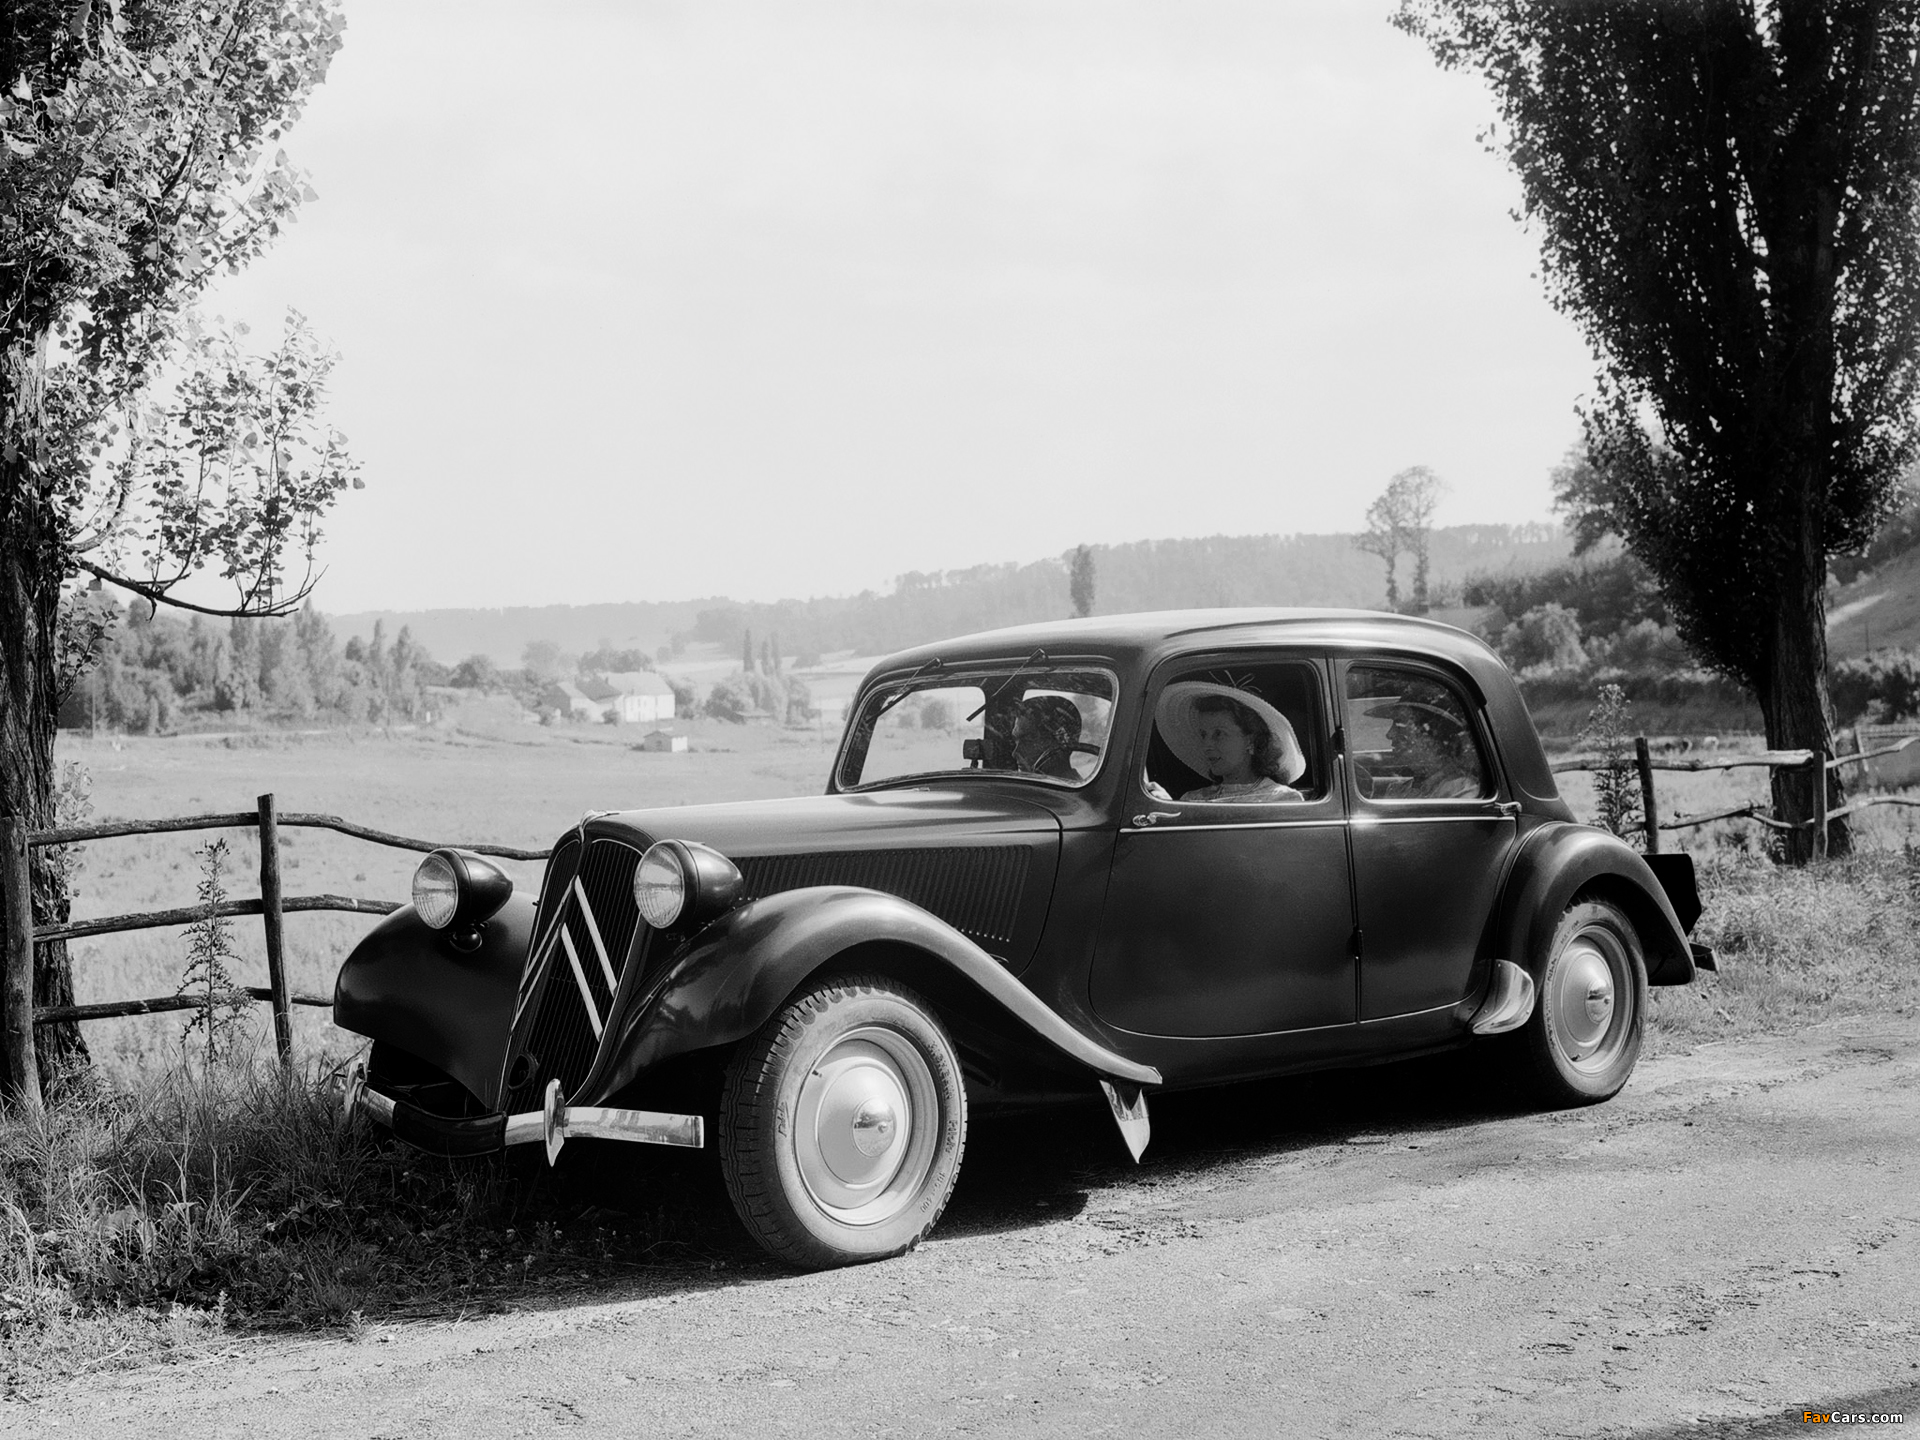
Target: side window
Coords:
[[1412, 737], [1237, 735]]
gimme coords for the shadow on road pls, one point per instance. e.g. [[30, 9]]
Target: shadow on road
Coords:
[[670, 1227]]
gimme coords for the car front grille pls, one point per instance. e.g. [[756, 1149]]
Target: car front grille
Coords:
[[587, 933]]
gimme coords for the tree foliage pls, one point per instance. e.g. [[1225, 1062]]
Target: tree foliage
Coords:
[[1400, 522], [140, 156], [1080, 580], [1727, 196]]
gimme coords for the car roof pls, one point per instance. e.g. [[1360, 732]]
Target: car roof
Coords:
[[1136, 643], [1149, 634]]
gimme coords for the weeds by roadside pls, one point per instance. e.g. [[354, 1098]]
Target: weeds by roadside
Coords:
[[134, 1224], [1797, 946]]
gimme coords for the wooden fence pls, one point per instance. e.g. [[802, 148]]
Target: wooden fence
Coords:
[[1820, 766], [19, 1015]]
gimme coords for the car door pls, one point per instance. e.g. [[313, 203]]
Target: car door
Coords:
[[1230, 919], [1432, 832]]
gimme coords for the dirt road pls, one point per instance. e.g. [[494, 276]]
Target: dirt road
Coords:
[[1736, 1236]]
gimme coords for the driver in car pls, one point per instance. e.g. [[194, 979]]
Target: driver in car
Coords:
[[1045, 730]]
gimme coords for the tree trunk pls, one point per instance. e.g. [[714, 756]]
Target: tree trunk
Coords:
[[30, 576], [1793, 696]]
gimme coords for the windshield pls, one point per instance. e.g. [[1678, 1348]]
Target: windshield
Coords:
[[1047, 722]]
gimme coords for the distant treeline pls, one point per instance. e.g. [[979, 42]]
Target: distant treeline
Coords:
[[152, 671], [1145, 575]]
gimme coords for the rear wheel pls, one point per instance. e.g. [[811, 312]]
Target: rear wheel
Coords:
[[842, 1124], [1584, 1037]]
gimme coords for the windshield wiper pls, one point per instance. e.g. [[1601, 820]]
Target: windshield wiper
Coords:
[[1039, 657], [885, 705]]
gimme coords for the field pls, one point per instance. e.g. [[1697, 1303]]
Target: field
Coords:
[[482, 776]]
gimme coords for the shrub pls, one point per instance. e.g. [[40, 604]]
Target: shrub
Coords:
[[730, 699], [1645, 647], [1880, 688], [1616, 785], [1547, 637]]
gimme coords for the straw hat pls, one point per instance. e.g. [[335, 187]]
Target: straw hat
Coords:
[[1418, 713], [1178, 715]]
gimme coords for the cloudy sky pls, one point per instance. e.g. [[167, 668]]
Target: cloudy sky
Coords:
[[646, 299]]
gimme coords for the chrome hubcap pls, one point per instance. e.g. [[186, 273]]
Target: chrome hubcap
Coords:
[[1590, 1023], [864, 1125]]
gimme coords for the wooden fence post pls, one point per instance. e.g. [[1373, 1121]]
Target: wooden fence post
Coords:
[[21, 1077], [1817, 768], [1643, 761], [271, 923]]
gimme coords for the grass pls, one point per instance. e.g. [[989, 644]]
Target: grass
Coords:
[[1798, 946], [138, 1224], [155, 1209]]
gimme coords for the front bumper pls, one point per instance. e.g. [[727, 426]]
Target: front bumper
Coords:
[[551, 1125]]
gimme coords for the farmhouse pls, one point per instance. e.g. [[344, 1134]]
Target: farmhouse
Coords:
[[630, 696], [637, 696], [570, 700]]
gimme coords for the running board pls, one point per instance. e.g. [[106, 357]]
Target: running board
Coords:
[[1129, 1106], [1509, 1002]]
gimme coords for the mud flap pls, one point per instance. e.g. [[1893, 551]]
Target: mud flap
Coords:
[[1129, 1106]]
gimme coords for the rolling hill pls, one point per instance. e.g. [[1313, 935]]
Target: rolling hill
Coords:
[[1878, 611], [1144, 575]]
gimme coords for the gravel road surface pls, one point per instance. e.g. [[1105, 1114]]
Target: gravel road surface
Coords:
[[1734, 1240]]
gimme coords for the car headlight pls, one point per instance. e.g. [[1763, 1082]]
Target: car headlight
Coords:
[[457, 890], [679, 880]]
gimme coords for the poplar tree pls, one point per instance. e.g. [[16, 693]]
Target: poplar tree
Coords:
[[1727, 198]]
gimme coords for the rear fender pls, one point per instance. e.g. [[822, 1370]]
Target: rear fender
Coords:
[[1558, 862], [405, 983], [743, 969]]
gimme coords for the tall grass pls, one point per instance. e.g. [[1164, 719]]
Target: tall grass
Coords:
[[157, 1216], [1799, 945]]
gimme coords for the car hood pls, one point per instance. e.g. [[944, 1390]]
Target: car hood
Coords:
[[881, 819], [979, 859]]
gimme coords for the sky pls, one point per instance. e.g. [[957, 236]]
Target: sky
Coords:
[[653, 299]]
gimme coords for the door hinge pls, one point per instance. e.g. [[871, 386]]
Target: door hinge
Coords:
[[1353, 943]]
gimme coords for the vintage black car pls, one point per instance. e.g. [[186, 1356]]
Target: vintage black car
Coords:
[[1116, 855]]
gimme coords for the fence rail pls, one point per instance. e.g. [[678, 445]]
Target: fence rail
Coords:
[[18, 1014], [1820, 766]]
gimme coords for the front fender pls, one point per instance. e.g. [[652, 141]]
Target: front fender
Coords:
[[406, 984], [742, 970], [1558, 861]]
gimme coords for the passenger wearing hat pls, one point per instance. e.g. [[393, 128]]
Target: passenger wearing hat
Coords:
[[1432, 747], [1235, 737]]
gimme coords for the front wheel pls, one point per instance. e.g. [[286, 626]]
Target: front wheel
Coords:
[[1584, 1037], [842, 1124]]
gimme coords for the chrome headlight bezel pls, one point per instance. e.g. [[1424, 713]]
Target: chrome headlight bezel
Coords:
[[457, 890], [682, 881]]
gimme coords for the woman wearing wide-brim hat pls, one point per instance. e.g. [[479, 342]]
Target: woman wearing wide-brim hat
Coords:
[[1236, 738]]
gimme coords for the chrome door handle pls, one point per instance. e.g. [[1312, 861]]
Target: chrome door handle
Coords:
[[1154, 816]]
